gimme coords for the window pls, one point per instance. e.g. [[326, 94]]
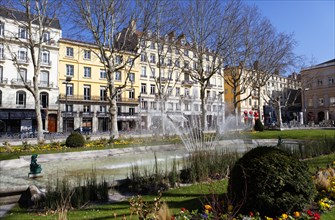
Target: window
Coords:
[[152, 45], [332, 101], [331, 81], [143, 71], [321, 102], [1, 74], [46, 37], [86, 108], [0, 98], [87, 72], [131, 94], [22, 33], [44, 78], [103, 74], [177, 91], [69, 70], [2, 29], [21, 99], [45, 57], [118, 75], [118, 59], [44, 98], [169, 90], [143, 88], [69, 89], [153, 74], [22, 75], [185, 52], [152, 58], [319, 82], [87, 54], [132, 77], [152, 89], [103, 108], [23, 54], [310, 102], [69, 108], [103, 93], [130, 62], [169, 63], [87, 92], [186, 65], [131, 111], [153, 105], [2, 52], [143, 57], [69, 51]]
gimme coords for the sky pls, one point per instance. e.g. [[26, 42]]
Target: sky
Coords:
[[312, 22]]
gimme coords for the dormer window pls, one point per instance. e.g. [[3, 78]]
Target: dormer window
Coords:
[[183, 42], [22, 33]]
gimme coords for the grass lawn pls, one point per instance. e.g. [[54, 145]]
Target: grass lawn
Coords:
[[190, 197], [312, 134]]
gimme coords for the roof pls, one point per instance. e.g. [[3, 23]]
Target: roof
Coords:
[[321, 65], [21, 16]]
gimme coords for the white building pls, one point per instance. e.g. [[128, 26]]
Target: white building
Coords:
[[17, 107]]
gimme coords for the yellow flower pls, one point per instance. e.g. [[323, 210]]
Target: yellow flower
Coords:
[[296, 214], [284, 216], [230, 208], [208, 207], [268, 218]]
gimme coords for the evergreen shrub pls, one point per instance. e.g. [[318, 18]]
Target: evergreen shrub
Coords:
[[270, 181], [75, 139], [258, 125]]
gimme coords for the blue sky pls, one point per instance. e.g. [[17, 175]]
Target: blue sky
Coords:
[[311, 21]]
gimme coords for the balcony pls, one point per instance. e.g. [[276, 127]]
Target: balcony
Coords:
[[20, 82], [23, 61], [68, 114], [91, 99], [126, 116], [102, 114], [46, 63], [45, 84], [2, 58], [86, 114], [3, 81], [187, 83]]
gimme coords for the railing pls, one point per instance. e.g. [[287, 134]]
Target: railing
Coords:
[[3, 81], [86, 114], [46, 84], [20, 82], [94, 98], [187, 83], [22, 61]]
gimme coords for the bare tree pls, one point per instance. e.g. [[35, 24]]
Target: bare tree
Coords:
[[205, 35], [157, 48], [36, 20], [112, 27], [273, 52]]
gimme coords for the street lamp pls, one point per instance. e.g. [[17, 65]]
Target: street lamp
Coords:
[[66, 82]]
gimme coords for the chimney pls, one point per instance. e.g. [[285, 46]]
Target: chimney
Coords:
[[256, 65], [132, 25]]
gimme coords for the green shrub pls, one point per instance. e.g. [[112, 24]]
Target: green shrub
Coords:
[[258, 125], [270, 181], [75, 139]]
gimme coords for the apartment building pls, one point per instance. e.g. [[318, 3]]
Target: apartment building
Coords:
[[318, 90], [167, 88], [83, 90], [285, 88], [17, 106]]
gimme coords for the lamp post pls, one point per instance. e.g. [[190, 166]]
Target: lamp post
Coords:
[[66, 82]]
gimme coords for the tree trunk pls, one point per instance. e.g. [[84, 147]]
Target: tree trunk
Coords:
[[40, 136], [114, 132], [203, 109]]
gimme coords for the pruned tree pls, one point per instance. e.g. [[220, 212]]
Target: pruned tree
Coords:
[[111, 25], [35, 19]]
